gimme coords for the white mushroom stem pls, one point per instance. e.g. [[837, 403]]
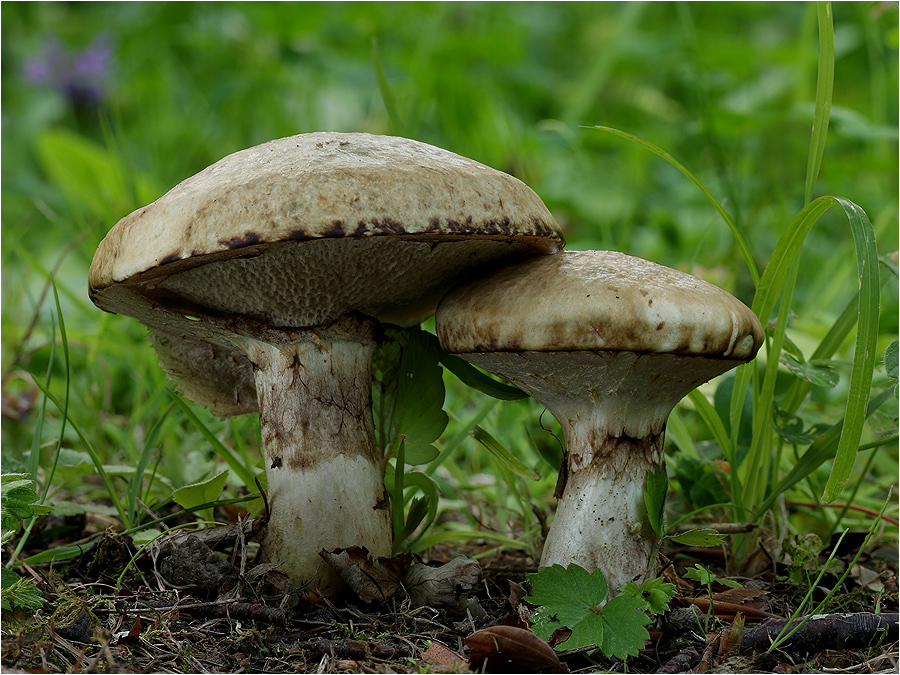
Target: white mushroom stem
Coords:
[[325, 483], [613, 408]]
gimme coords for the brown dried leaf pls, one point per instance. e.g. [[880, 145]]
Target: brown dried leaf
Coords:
[[738, 596], [135, 632], [559, 636], [443, 586], [371, 580], [441, 655], [498, 648]]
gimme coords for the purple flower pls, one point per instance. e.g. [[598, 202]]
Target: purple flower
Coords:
[[83, 77]]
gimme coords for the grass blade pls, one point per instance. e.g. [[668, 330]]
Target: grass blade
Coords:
[[502, 455], [739, 238], [824, 91], [387, 95], [134, 489], [221, 449], [819, 452], [95, 458], [864, 356]]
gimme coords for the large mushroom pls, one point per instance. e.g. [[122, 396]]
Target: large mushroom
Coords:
[[263, 278], [609, 344]]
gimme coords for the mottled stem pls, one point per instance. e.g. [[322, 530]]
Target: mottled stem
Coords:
[[325, 483], [601, 520]]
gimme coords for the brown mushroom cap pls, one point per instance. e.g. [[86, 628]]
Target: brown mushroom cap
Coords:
[[596, 301], [301, 230]]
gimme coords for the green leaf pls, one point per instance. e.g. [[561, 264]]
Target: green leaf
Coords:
[[18, 592], [819, 374], [387, 96], [824, 93], [703, 537], [570, 594], [819, 452], [792, 430], [704, 576], [890, 360], [420, 393], [770, 289], [729, 221], [502, 455], [472, 377], [91, 177], [234, 462], [192, 496], [422, 510], [421, 453], [572, 597], [655, 490], [18, 500], [653, 593], [623, 627], [469, 374]]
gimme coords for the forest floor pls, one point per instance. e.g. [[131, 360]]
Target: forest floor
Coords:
[[179, 607]]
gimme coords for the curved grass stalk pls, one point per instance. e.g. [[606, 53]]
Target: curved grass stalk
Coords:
[[770, 289], [95, 458], [729, 221]]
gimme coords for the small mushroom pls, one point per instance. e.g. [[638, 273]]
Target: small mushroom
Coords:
[[609, 344], [263, 279]]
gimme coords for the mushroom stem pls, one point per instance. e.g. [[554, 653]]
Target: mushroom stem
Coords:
[[612, 406], [325, 484], [601, 521]]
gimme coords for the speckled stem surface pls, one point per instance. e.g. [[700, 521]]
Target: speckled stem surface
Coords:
[[601, 521], [325, 484]]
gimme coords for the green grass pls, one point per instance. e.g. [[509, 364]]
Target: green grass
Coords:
[[774, 131]]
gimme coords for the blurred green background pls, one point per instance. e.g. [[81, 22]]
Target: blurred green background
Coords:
[[105, 106]]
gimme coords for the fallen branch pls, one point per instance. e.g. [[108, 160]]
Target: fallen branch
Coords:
[[239, 611], [825, 631]]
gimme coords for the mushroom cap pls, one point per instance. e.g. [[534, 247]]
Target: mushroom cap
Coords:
[[596, 301], [300, 230]]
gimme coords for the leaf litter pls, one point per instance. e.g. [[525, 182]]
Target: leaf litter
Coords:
[[198, 602]]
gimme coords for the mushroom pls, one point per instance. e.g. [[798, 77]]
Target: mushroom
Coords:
[[263, 279], [609, 344]]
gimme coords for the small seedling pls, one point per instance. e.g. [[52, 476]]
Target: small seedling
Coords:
[[18, 502], [707, 578]]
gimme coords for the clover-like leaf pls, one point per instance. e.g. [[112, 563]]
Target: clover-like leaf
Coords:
[[820, 373], [18, 500], [653, 593], [573, 597]]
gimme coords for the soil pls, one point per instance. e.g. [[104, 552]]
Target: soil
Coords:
[[200, 604]]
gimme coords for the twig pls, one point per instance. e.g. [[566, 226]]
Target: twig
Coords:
[[682, 662], [826, 631]]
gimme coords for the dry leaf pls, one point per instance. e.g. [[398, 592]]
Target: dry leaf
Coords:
[[441, 655], [498, 648], [445, 586], [371, 580]]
